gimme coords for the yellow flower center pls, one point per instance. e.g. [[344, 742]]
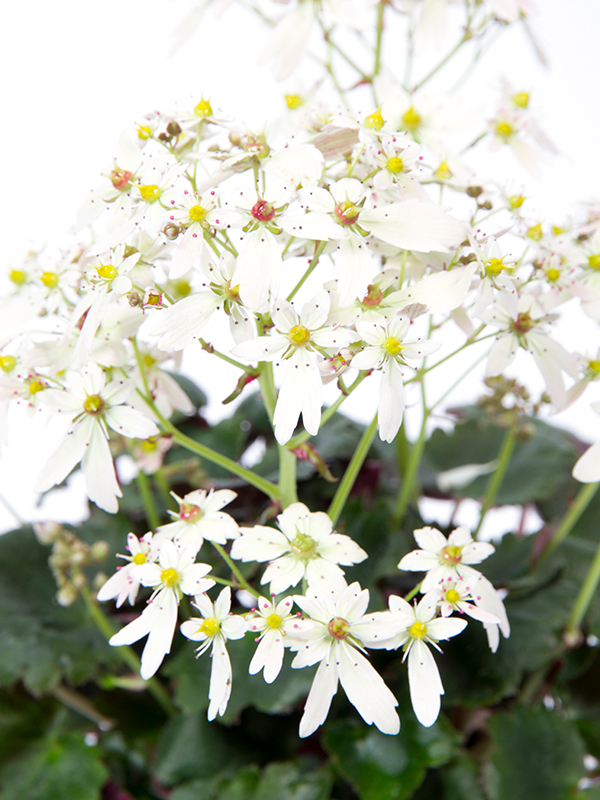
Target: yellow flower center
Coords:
[[49, 279], [535, 232], [411, 119], [339, 628], [210, 627], [495, 266], [197, 213], [150, 192], [553, 274], [149, 445], [232, 292], [182, 288], [594, 261], [7, 363], [451, 554], [93, 404], [521, 99], [392, 346], [375, 120], [443, 171], [144, 131], [395, 165], [299, 335], [188, 512], [274, 621], [516, 201], [418, 630], [203, 109], [594, 366], [504, 129], [557, 230], [303, 546], [107, 271], [452, 596], [139, 558], [35, 387], [292, 101], [169, 577], [18, 276]]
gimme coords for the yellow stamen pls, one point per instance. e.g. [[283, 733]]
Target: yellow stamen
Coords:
[[293, 101], [521, 99], [150, 192], [443, 171], [169, 577], [144, 131], [93, 404], [303, 546], [452, 596], [299, 335], [392, 346], [411, 119], [18, 276], [203, 109], [35, 387], [107, 271], [535, 232], [594, 261], [210, 627], [395, 165], [7, 363], [495, 266], [139, 558], [274, 621], [553, 274], [516, 201], [197, 213], [375, 120], [49, 279], [418, 630], [504, 129]]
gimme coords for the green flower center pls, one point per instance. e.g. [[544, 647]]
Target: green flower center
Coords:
[[443, 171], [188, 512], [303, 546], [495, 266], [93, 404], [535, 232], [35, 387], [347, 213]]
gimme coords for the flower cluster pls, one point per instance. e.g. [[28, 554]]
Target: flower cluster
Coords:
[[332, 628]]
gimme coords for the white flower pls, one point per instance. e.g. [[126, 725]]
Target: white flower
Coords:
[[95, 407], [125, 584], [445, 558], [305, 547], [274, 623], [454, 595], [214, 628], [199, 518], [175, 572], [418, 628], [298, 340], [386, 350], [340, 629], [587, 468]]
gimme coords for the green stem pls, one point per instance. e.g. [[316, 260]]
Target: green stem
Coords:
[[465, 38], [378, 43], [570, 519], [345, 485], [407, 489], [154, 686], [320, 246], [161, 480], [495, 482], [211, 350], [413, 592], [584, 598], [287, 476], [152, 515], [239, 577]]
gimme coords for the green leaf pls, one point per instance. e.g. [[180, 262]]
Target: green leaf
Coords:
[[378, 766], [57, 769], [537, 754], [461, 779], [191, 747], [42, 642]]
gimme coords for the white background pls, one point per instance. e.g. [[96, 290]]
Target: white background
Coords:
[[75, 72]]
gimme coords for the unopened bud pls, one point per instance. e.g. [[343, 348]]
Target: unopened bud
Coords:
[[173, 128]]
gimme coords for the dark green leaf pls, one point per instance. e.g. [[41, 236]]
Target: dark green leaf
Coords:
[[538, 754]]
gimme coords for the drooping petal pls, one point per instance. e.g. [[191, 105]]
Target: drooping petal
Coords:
[[219, 689], [391, 400], [319, 699], [424, 683], [99, 472], [366, 690]]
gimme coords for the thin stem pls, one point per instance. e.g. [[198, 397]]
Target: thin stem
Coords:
[[345, 485], [154, 686], [465, 38], [414, 591], [210, 349], [493, 487], [313, 263], [583, 600], [152, 515], [239, 577], [570, 519], [379, 40]]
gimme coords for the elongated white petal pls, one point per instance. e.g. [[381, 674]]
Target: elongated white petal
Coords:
[[391, 400], [414, 226], [219, 689], [187, 252], [130, 422], [259, 544], [424, 683], [440, 292], [99, 472], [502, 354], [183, 322], [66, 456], [259, 265], [300, 393], [161, 633], [366, 690], [587, 468], [319, 699], [354, 268]]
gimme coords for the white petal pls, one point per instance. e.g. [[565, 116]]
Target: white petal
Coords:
[[354, 269], [130, 422], [99, 472], [183, 322], [320, 696], [391, 400], [366, 690], [160, 637], [66, 456], [414, 226], [219, 690], [425, 683], [259, 265], [587, 468]]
